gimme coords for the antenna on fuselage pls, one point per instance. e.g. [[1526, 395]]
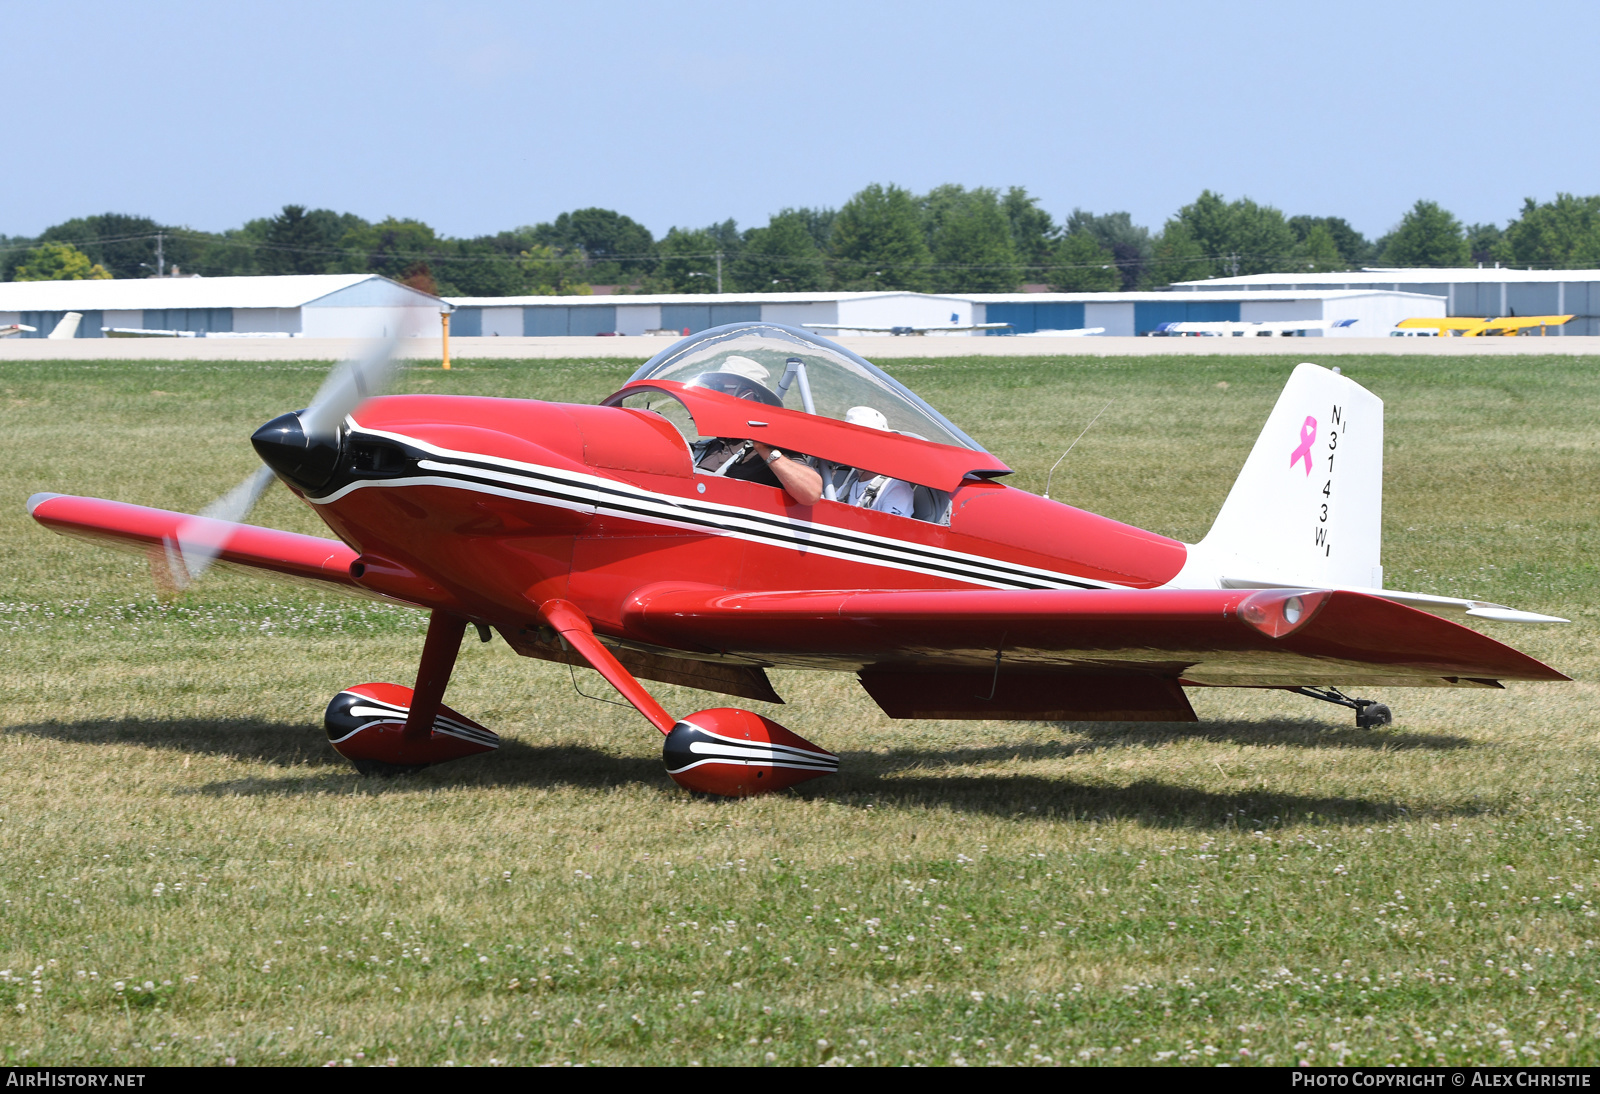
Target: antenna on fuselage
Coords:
[[1070, 447]]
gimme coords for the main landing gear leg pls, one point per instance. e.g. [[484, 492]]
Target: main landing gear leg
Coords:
[[725, 751], [1369, 712], [386, 729]]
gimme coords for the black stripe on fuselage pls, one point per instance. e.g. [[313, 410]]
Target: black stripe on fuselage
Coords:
[[628, 500]]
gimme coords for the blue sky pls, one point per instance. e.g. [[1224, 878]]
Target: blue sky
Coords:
[[479, 116]]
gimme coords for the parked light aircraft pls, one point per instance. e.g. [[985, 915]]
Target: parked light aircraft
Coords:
[[623, 537], [948, 328], [12, 330], [1270, 329], [1467, 327]]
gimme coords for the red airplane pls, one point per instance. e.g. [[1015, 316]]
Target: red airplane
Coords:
[[676, 533]]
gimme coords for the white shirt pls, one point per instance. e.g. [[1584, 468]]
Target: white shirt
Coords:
[[894, 496]]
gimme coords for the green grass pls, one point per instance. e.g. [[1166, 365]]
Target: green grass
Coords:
[[1271, 885]]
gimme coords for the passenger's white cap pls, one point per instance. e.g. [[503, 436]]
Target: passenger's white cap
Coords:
[[744, 366], [867, 416]]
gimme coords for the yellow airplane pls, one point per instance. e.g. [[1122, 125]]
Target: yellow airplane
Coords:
[[1473, 328]]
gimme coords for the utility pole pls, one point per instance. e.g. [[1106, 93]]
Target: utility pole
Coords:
[[1234, 258], [161, 260], [719, 271]]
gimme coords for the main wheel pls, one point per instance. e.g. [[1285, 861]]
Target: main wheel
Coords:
[[732, 753]]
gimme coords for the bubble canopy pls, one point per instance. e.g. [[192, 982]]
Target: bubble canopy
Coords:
[[796, 369]]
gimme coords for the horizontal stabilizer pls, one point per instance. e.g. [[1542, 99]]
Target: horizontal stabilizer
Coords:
[[1438, 605]]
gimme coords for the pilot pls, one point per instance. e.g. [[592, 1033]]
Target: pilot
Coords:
[[880, 492], [751, 460]]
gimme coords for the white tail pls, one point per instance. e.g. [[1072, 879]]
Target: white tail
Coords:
[[1308, 507], [68, 327]]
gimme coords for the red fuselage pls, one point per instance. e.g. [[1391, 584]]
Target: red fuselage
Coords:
[[488, 507]]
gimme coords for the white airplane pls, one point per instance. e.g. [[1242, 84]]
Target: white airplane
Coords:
[[1075, 332], [1275, 329], [141, 332], [11, 330], [948, 329]]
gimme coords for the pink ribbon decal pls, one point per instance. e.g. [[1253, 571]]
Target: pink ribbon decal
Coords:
[[1308, 437]]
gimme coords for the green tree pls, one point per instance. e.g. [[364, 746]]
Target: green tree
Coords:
[[1129, 243], [969, 238], [402, 249], [1034, 233], [58, 262], [782, 257], [1176, 256], [300, 242], [1563, 234], [235, 252], [124, 245], [686, 262], [1353, 247], [619, 250], [1319, 253], [12, 248], [818, 222], [1081, 264], [1427, 236], [1240, 237], [495, 265], [1486, 244], [878, 242], [546, 272]]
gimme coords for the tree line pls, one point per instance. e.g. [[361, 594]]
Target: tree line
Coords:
[[951, 239]]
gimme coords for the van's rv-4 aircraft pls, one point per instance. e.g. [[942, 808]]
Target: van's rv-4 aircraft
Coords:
[[588, 535]]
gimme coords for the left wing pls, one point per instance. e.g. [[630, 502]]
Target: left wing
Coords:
[[1219, 637], [154, 533]]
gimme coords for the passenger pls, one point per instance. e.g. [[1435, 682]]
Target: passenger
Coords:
[[749, 460], [880, 492]]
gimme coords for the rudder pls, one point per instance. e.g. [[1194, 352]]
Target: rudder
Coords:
[[1307, 509]]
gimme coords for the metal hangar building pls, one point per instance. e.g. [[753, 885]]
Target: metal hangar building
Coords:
[[302, 305], [1375, 311]]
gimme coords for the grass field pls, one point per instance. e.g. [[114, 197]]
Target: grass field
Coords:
[[190, 875]]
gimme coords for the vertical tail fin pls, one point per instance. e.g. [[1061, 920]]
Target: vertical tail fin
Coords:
[[1308, 507], [68, 326]]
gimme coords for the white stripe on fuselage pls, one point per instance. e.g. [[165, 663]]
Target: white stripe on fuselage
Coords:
[[591, 494]]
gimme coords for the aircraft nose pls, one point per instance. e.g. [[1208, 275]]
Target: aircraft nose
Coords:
[[283, 446]]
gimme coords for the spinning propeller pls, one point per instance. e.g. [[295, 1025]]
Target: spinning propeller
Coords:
[[304, 445]]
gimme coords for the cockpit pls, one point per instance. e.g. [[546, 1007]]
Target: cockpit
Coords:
[[745, 390]]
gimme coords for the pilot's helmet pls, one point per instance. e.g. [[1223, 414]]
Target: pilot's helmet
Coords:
[[867, 416], [740, 377]]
